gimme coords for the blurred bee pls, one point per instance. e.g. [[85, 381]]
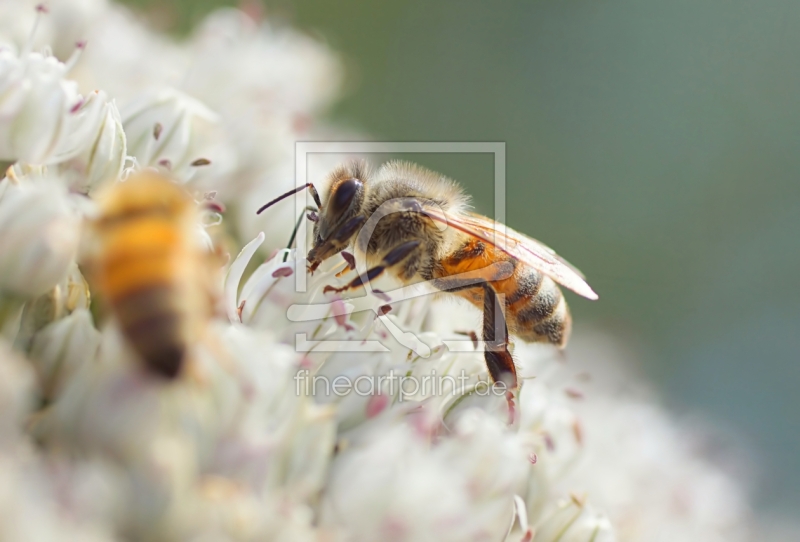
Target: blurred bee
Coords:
[[147, 261], [395, 219]]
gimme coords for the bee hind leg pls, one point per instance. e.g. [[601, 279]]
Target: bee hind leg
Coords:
[[392, 258], [495, 350], [474, 279], [495, 336]]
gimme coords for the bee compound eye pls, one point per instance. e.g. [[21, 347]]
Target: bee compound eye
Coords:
[[343, 195]]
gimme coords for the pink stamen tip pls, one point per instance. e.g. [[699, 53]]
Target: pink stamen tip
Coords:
[[306, 363], [75, 108], [283, 272], [165, 163], [574, 393], [533, 458], [339, 311], [215, 206], [41, 8], [380, 294], [512, 410], [80, 44], [549, 443], [376, 404]]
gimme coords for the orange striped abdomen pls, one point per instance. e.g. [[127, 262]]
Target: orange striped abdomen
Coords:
[[144, 271], [535, 308]]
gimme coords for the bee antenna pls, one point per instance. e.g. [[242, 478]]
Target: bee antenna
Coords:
[[310, 186]]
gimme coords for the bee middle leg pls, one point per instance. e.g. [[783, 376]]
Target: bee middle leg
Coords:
[[392, 258]]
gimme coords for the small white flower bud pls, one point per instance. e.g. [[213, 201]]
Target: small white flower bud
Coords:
[[574, 521], [158, 490], [231, 511], [16, 383], [71, 294], [43, 118], [39, 235], [61, 347], [305, 451], [299, 74], [102, 161], [169, 130], [59, 25]]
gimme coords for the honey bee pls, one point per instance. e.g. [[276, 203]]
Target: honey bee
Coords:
[[148, 263], [395, 219]]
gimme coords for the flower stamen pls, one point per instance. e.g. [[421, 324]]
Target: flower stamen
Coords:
[[75, 108], [28, 47], [75, 56]]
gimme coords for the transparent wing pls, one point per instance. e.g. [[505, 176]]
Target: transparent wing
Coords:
[[521, 247]]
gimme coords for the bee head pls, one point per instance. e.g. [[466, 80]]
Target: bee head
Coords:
[[344, 201]]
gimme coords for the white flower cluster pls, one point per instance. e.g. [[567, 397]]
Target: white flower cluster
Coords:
[[256, 440]]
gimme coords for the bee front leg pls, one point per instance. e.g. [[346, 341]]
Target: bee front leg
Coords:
[[312, 213], [392, 258]]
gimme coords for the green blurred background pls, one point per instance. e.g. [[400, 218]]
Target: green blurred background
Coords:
[[655, 144]]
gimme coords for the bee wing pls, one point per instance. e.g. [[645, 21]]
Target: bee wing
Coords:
[[521, 247]]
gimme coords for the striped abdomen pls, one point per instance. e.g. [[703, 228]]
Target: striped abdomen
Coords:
[[144, 270], [536, 310]]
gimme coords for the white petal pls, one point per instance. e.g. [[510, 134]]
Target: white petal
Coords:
[[234, 276]]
